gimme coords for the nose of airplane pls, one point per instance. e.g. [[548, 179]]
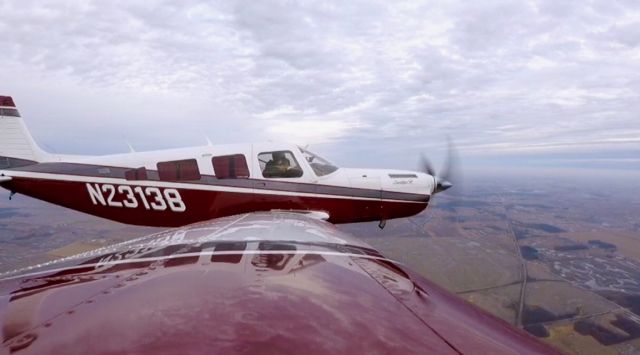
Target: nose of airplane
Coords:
[[442, 185], [442, 181], [406, 181], [428, 181], [435, 183]]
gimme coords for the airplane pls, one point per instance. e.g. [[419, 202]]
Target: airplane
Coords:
[[254, 263], [175, 187]]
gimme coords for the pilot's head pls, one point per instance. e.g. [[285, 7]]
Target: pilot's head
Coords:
[[278, 156]]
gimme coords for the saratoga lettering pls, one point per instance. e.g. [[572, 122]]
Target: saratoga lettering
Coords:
[[125, 196]]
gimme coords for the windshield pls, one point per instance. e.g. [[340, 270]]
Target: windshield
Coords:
[[319, 165]]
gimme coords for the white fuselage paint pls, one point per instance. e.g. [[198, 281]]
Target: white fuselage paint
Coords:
[[376, 179]]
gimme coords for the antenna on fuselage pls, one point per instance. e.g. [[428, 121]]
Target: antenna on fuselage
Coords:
[[131, 150], [209, 144]]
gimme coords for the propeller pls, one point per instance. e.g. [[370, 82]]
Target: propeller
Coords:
[[444, 180]]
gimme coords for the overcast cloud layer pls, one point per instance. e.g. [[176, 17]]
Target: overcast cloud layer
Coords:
[[550, 82]]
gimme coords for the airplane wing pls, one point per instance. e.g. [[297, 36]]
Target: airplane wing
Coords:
[[271, 282]]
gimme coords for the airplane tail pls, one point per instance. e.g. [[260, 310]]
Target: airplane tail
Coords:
[[16, 142]]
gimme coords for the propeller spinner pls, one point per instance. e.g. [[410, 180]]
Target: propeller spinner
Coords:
[[442, 181]]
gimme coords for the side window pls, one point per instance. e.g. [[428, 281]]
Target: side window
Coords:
[[280, 164], [179, 170], [230, 167], [136, 174]]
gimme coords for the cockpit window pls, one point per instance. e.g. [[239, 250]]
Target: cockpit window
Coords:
[[280, 164], [319, 165]]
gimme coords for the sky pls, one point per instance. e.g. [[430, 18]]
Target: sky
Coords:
[[540, 83]]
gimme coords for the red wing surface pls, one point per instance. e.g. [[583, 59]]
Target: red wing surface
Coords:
[[253, 283]]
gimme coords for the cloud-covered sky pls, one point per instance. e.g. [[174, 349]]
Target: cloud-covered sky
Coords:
[[369, 83]]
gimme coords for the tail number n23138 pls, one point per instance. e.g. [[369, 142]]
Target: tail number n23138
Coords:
[[125, 196]]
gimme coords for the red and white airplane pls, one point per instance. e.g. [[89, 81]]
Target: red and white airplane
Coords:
[[255, 265]]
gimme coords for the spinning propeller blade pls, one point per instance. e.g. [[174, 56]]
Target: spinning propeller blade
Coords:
[[445, 180]]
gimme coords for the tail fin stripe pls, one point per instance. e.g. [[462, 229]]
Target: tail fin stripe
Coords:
[[7, 101], [9, 112]]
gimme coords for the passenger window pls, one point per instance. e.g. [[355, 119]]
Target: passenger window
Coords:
[[136, 174], [230, 167], [179, 170], [280, 164]]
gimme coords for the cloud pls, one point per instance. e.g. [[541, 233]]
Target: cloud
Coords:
[[499, 76]]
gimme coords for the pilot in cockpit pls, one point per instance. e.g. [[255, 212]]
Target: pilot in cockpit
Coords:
[[277, 166]]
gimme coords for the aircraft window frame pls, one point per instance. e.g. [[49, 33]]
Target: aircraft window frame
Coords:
[[233, 166], [136, 174], [176, 170], [321, 166], [294, 170]]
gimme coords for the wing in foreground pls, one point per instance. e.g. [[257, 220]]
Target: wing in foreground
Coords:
[[254, 283]]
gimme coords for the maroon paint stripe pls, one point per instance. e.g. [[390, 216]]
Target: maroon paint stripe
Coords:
[[7, 101], [205, 205]]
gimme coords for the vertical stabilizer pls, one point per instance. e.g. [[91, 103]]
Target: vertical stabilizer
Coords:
[[15, 140]]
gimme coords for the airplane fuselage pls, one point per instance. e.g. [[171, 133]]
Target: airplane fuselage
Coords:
[[181, 186], [177, 187]]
